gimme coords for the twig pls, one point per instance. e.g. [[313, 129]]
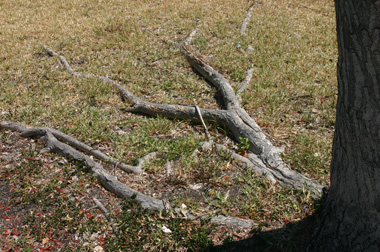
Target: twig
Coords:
[[299, 96], [168, 168], [203, 122]]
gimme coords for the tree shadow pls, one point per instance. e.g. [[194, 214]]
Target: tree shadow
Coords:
[[295, 236]]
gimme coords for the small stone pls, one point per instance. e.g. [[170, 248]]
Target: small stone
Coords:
[[196, 186], [166, 230], [94, 236], [314, 111], [98, 249]]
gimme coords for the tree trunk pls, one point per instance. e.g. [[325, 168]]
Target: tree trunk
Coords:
[[350, 219]]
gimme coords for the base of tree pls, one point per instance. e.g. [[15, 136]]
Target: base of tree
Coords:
[[346, 229]]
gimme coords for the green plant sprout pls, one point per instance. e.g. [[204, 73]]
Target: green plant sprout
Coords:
[[243, 144]]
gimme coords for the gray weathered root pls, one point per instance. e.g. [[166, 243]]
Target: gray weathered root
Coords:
[[111, 183], [84, 148], [106, 214], [246, 20], [50, 138], [244, 127], [263, 156]]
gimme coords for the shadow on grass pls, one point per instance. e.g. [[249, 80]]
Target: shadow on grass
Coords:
[[294, 237]]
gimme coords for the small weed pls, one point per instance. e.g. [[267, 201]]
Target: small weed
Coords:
[[243, 144]]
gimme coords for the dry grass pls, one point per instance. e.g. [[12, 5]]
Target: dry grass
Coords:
[[289, 44]]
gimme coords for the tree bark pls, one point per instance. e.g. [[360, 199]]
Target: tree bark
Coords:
[[350, 220]]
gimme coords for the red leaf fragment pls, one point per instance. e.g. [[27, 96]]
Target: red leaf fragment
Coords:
[[242, 217], [102, 240], [12, 188], [238, 235], [6, 233], [15, 232]]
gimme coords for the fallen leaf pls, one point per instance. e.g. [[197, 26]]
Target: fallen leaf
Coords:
[[45, 240], [15, 232]]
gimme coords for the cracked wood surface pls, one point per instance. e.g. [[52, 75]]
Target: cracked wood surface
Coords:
[[233, 117]]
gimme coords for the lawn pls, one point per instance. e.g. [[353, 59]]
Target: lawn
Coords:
[[47, 201]]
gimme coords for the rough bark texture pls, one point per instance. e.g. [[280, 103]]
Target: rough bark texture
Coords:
[[111, 183], [83, 147], [351, 217], [263, 155]]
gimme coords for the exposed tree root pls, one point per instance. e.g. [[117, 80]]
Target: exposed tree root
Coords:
[[142, 161], [77, 144], [252, 162], [191, 35], [48, 136], [247, 18], [263, 157], [110, 182], [262, 153], [232, 221], [106, 214], [245, 83], [243, 126]]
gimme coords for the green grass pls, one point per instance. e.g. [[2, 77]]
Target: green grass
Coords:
[[142, 231], [290, 45]]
